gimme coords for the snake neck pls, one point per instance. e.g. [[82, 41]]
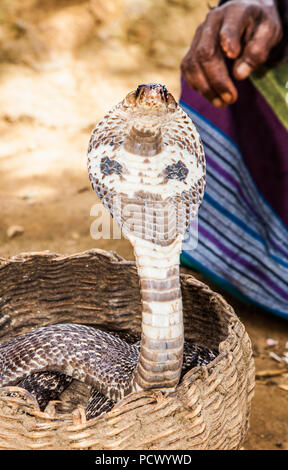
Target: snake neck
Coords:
[[162, 338]]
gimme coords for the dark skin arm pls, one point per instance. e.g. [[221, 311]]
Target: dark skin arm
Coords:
[[242, 30]]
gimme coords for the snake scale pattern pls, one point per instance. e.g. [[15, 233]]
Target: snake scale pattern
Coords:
[[146, 163]]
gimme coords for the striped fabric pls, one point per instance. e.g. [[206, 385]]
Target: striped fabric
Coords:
[[242, 242]]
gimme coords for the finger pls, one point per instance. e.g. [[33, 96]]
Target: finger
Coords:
[[211, 59], [257, 50], [193, 73], [217, 75], [231, 32], [196, 79]]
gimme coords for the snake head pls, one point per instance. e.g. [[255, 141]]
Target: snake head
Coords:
[[151, 96]]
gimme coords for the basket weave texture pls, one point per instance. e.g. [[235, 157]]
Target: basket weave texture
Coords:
[[211, 405]]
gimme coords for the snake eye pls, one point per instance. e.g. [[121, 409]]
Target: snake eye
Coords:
[[138, 91], [165, 93]]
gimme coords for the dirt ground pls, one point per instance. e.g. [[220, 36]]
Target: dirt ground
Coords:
[[63, 64]]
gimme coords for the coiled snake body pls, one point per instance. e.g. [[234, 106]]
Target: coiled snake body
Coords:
[[146, 164]]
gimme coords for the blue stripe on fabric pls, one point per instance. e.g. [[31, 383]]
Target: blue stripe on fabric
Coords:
[[219, 131], [234, 218], [210, 124], [237, 268], [258, 219], [278, 224], [277, 234], [240, 173], [190, 262], [242, 225], [221, 265], [231, 241]]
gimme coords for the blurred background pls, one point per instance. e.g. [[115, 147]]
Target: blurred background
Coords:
[[63, 64]]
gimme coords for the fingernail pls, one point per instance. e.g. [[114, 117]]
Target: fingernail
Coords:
[[243, 70], [218, 103], [227, 97]]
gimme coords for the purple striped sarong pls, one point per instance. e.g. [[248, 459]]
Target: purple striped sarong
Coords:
[[243, 221]]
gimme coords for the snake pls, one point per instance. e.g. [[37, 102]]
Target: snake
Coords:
[[146, 164]]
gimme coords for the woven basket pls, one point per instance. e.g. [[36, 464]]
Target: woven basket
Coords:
[[209, 409]]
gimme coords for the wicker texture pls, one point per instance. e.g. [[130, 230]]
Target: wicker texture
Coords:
[[210, 407]]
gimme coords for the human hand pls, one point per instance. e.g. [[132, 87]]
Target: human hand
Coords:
[[242, 30]]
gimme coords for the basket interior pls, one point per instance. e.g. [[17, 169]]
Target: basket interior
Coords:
[[94, 288]]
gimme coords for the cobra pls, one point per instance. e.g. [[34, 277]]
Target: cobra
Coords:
[[146, 163]]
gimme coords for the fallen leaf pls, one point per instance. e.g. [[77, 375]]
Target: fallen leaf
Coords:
[[283, 387], [14, 230], [275, 356], [270, 373]]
